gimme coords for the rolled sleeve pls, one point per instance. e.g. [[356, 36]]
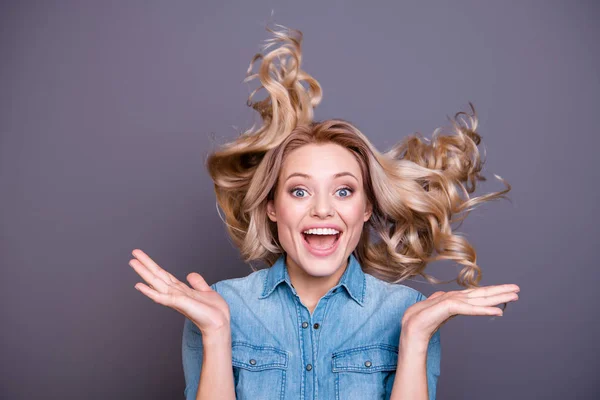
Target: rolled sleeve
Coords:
[[191, 354], [434, 358]]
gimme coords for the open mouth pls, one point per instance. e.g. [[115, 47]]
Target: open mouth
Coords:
[[320, 242]]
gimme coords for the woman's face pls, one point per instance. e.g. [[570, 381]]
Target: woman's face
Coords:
[[320, 207]]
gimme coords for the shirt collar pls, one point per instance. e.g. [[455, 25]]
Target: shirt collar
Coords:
[[353, 279]]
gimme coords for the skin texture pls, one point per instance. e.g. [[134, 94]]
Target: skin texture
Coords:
[[316, 200]]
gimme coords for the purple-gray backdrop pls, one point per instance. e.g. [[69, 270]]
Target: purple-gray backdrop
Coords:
[[106, 113]]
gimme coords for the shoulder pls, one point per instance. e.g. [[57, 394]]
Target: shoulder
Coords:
[[392, 299], [402, 296], [251, 282], [393, 291]]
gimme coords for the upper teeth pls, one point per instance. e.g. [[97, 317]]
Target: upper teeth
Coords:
[[322, 231]]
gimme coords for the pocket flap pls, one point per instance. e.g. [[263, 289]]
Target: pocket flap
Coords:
[[366, 359], [257, 358]]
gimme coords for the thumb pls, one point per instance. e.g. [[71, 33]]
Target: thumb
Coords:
[[436, 294], [197, 282]]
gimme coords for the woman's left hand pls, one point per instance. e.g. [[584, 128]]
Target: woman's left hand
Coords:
[[424, 318]]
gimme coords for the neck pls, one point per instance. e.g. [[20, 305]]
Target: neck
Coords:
[[311, 288]]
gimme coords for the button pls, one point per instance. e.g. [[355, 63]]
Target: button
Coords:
[[305, 324], [253, 362], [368, 363], [316, 326], [308, 367]]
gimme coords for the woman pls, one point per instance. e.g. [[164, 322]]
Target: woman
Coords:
[[339, 226]]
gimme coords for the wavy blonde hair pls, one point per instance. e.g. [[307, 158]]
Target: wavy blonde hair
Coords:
[[417, 189]]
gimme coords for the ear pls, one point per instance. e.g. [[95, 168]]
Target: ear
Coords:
[[368, 211], [271, 211]]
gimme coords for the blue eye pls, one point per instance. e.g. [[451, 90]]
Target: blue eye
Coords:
[[297, 190], [345, 190]]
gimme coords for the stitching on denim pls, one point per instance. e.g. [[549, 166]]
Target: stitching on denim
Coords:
[[266, 350], [382, 347], [282, 395], [364, 289], [301, 344]]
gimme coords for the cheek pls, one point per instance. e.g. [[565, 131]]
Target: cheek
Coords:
[[289, 217], [352, 213]]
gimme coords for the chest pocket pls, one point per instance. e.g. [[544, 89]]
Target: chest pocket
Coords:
[[258, 371], [365, 372]]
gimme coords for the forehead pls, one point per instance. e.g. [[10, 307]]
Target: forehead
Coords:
[[320, 161]]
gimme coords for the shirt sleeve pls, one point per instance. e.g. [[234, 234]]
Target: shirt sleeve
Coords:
[[434, 357], [191, 354]]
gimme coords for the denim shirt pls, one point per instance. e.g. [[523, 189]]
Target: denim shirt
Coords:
[[346, 349]]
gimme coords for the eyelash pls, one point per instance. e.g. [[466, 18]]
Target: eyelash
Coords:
[[342, 188]]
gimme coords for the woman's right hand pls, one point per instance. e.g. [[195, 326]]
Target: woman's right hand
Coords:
[[202, 305]]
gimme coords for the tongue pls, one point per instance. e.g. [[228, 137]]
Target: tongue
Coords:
[[320, 242]]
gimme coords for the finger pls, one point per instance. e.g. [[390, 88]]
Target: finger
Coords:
[[492, 300], [156, 296], [143, 271], [174, 302], [197, 282], [463, 308], [429, 301], [152, 266], [493, 290]]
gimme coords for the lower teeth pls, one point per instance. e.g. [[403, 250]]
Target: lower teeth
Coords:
[[322, 248]]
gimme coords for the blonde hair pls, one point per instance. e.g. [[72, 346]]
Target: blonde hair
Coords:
[[417, 189]]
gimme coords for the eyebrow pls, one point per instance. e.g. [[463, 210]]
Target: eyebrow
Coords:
[[310, 177]]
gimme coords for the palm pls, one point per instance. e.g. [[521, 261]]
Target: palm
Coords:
[[429, 315], [202, 305]]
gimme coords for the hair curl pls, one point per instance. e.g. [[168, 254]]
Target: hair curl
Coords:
[[417, 189]]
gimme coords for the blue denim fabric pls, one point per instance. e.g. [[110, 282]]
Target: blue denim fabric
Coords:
[[347, 349]]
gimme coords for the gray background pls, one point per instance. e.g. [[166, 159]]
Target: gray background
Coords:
[[107, 110]]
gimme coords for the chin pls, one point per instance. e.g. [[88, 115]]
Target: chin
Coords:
[[317, 264], [322, 267]]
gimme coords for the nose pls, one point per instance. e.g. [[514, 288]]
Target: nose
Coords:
[[323, 206]]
